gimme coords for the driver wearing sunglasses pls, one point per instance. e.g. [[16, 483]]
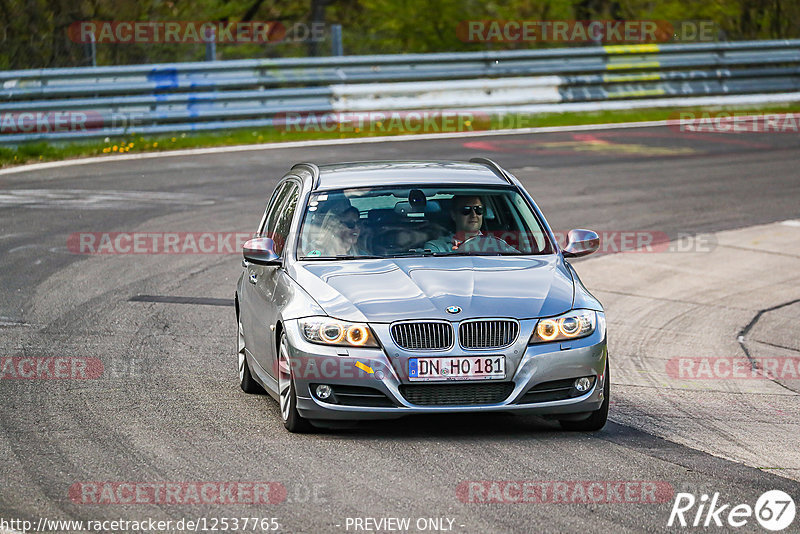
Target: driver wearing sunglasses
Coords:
[[467, 214]]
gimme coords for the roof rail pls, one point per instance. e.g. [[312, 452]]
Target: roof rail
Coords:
[[313, 169], [497, 169]]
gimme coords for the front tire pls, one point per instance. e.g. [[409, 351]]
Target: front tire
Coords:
[[292, 419], [246, 381], [598, 419]]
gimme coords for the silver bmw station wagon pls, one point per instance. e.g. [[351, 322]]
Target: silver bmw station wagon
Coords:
[[380, 289]]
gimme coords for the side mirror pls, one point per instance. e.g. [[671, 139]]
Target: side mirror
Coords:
[[261, 251], [581, 243]]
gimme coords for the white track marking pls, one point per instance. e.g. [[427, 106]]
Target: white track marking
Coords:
[[337, 142], [83, 199], [324, 142]]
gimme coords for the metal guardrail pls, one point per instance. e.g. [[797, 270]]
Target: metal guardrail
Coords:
[[179, 97]]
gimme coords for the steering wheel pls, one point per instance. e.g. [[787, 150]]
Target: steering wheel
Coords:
[[491, 243]]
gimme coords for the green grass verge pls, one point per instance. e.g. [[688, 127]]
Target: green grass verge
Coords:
[[47, 151]]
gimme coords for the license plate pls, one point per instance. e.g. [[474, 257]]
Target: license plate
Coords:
[[457, 368]]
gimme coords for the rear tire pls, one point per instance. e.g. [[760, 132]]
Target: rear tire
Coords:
[[597, 419], [246, 381], [287, 394]]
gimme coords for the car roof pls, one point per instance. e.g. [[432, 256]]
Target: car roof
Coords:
[[379, 173]]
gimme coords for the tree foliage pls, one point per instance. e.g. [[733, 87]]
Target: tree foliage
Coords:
[[34, 33]]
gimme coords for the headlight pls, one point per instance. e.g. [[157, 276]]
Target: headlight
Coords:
[[328, 331], [571, 325]]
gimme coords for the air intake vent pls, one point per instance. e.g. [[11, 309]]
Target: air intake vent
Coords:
[[488, 333], [457, 394], [357, 396], [423, 335], [552, 391]]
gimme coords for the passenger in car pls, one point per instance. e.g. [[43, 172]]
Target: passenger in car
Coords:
[[349, 231], [338, 234]]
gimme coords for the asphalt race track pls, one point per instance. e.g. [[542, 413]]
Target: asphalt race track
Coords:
[[165, 406]]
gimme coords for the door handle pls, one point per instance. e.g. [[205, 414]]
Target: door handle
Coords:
[[253, 277]]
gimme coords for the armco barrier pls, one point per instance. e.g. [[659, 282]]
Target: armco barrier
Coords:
[[180, 97]]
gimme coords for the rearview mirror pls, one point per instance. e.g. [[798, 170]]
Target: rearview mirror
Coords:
[[261, 251], [581, 243]]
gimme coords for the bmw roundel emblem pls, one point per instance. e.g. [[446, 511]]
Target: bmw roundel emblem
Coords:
[[453, 309]]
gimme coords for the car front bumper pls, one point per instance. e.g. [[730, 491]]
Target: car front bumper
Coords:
[[385, 370]]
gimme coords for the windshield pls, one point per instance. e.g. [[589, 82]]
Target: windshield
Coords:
[[409, 221]]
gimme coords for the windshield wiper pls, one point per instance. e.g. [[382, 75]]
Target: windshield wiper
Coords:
[[476, 253], [411, 252], [342, 257]]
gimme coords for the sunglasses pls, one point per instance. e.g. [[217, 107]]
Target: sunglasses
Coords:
[[466, 210], [350, 224]]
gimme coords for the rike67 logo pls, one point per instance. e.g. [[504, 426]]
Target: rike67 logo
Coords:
[[774, 510]]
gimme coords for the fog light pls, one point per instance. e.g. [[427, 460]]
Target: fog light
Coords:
[[324, 391], [582, 384]]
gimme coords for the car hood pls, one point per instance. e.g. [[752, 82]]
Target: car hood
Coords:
[[388, 290]]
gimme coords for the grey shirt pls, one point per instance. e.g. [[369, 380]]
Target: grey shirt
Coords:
[[447, 244], [442, 244]]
